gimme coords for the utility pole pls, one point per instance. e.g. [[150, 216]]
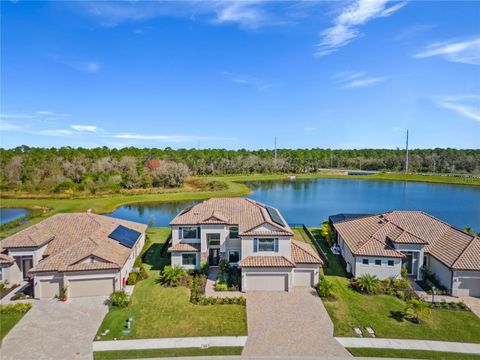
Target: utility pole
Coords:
[[275, 149], [406, 156], [331, 159]]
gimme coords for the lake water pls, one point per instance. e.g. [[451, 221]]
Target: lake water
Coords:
[[10, 214], [310, 201]]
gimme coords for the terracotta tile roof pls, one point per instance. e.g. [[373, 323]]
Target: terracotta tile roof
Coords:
[[252, 218], [5, 259], [374, 235], [266, 261], [302, 253], [184, 247], [73, 238]]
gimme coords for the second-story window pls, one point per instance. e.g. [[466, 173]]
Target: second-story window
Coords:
[[190, 233], [213, 239], [233, 232], [265, 244]]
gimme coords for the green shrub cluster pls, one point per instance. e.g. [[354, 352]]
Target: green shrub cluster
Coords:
[[197, 288], [228, 278], [325, 288], [21, 308], [119, 299], [443, 305]]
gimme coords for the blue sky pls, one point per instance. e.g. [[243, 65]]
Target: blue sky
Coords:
[[352, 74]]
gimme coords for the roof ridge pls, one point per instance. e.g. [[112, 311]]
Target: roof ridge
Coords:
[[464, 251], [381, 242]]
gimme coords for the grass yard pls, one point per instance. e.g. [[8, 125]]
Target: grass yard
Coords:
[[7, 322], [411, 354], [385, 313], [166, 312], [299, 234], [142, 354]]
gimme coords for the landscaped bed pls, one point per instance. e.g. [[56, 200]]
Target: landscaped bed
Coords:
[[386, 313], [160, 311]]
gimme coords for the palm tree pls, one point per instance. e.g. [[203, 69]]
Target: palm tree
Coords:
[[417, 308], [367, 283], [171, 275]]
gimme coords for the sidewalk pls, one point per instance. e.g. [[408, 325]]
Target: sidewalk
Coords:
[[430, 345], [169, 343]]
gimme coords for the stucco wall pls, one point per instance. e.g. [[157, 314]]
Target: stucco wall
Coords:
[[11, 273], [466, 283], [441, 271], [284, 247], [35, 253], [127, 267], [383, 271], [347, 255], [177, 260]]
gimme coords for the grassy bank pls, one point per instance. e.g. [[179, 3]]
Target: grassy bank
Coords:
[[234, 187]]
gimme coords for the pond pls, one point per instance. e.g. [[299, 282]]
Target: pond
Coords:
[[310, 201], [11, 214]]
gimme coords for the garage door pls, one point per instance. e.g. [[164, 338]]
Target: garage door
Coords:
[[49, 288], [90, 287], [468, 286], [266, 282], [302, 278]]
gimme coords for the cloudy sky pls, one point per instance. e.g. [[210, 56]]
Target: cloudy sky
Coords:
[[237, 74]]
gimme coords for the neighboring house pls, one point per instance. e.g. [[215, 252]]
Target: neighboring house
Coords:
[[382, 244], [248, 234], [89, 254]]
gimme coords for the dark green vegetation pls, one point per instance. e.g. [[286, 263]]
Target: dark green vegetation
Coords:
[[10, 315], [386, 313], [140, 354], [71, 171], [411, 354], [160, 311]]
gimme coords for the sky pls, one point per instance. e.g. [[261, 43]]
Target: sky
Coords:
[[237, 74]]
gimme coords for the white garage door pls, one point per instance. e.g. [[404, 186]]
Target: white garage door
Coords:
[[468, 286], [266, 282], [49, 288], [302, 278], [90, 287]]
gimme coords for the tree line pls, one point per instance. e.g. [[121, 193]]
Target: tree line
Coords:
[[103, 169]]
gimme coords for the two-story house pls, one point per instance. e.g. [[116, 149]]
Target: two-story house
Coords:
[[248, 234]]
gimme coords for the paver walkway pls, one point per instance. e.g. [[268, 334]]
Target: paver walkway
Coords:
[[56, 330], [289, 324], [407, 344], [210, 286]]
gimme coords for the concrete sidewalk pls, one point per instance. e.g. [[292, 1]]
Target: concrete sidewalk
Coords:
[[169, 343], [430, 345]]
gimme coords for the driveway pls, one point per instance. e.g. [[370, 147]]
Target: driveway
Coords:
[[56, 330], [289, 324], [473, 303]]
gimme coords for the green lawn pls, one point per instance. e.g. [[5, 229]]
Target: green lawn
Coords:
[[166, 312], [299, 234], [411, 354], [141, 354], [384, 313], [7, 322]]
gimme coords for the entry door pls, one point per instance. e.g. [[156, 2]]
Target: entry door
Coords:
[[27, 264], [408, 263], [214, 257]]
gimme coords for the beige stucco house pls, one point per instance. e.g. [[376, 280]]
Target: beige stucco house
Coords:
[[248, 234], [382, 244], [89, 254]]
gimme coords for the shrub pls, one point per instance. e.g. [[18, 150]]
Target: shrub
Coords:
[[224, 266], [400, 294], [404, 272], [221, 286], [204, 267], [119, 299], [2, 287], [401, 284], [417, 308], [390, 291], [368, 284], [327, 233], [132, 278], [171, 275], [15, 308], [325, 288]]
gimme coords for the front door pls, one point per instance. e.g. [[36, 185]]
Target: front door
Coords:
[[408, 263], [27, 264], [213, 257]]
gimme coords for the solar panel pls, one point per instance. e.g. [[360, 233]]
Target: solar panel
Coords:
[[187, 209], [275, 216], [125, 236]]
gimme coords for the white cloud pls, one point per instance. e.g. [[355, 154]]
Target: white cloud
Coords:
[[466, 52], [260, 84], [465, 105], [7, 126], [54, 132], [245, 13], [168, 138], [310, 129], [82, 65], [357, 79], [85, 128], [345, 25]]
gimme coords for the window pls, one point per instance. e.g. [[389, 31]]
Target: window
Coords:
[[265, 244], [190, 233], [390, 262], [378, 262], [365, 261], [213, 239], [233, 232], [233, 256], [189, 259], [92, 259]]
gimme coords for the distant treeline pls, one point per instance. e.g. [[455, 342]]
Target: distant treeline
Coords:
[[103, 169]]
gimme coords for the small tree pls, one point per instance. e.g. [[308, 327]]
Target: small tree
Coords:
[[325, 288], [171, 275], [327, 232], [367, 283], [417, 308]]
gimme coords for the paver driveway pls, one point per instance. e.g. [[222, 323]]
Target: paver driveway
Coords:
[[289, 324], [56, 330]]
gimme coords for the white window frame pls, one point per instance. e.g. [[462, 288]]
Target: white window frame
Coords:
[[189, 227], [195, 263], [275, 247], [233, 227], [363, 261], [233, 251], [376, 262]]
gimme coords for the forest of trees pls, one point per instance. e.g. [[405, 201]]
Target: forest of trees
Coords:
[[102, 169]]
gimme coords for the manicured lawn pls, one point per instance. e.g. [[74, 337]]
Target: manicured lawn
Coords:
[[7, 322], [335, 267], [166, 312], [411, 354], [299, 234], [385, 313], [139, 354]]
